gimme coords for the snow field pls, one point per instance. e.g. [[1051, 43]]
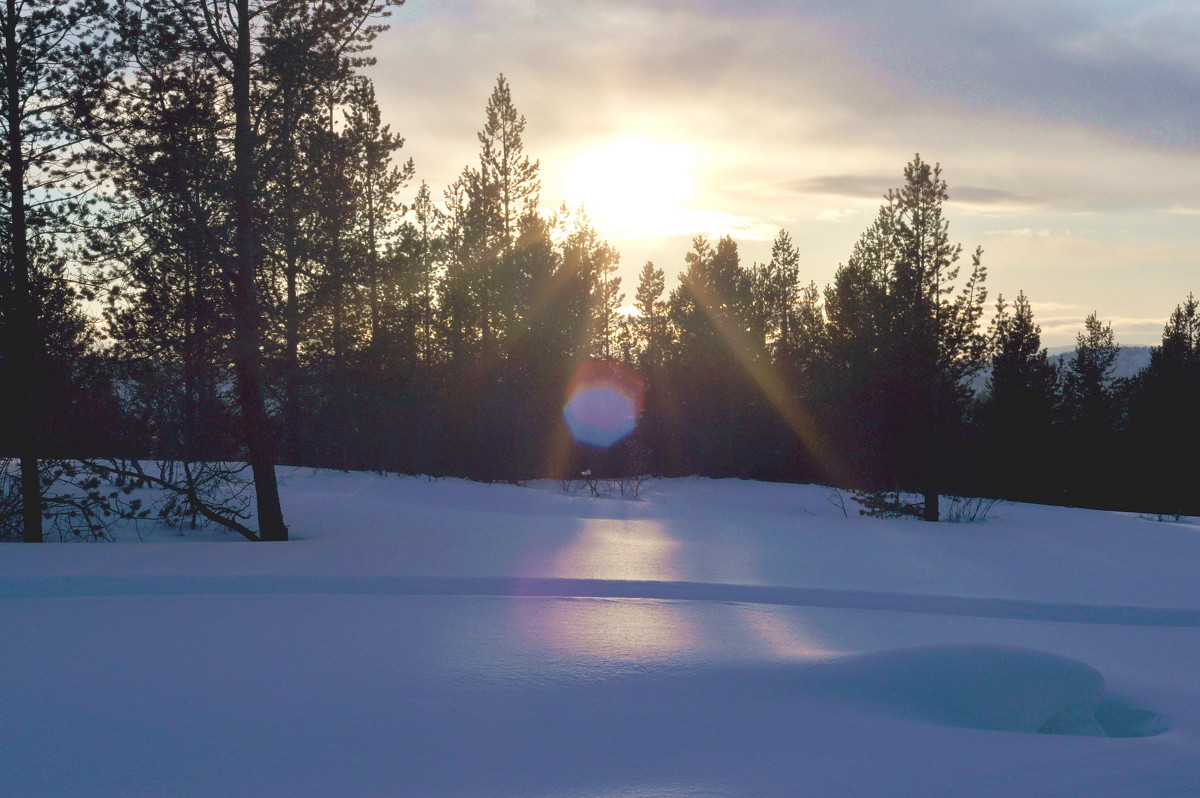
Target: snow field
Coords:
[[712, 638]]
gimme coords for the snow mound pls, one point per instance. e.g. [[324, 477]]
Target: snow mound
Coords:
[[991, 687]]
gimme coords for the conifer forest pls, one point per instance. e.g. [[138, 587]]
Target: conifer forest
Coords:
[[216, 258]]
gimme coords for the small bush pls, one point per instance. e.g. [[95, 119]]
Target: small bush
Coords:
[[888, 504], [964, 510]]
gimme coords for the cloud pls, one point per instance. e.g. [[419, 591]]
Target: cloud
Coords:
[[1131, 70], [977, 195], [877, 186], [1037, 110], [1058, 307], [1021, 232], [836, 214], [1004, 85], [857, 186]]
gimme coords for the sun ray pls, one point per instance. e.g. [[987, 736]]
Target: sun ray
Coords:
[[774, 387]]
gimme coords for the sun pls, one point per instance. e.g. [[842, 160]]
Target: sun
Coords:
[[633, 188]]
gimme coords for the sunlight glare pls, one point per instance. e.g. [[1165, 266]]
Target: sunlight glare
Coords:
[[633, 188], [625, 629], [624, 550]]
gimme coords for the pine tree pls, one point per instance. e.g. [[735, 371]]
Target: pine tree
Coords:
[[774, 293], [1163, 420], [503, 165], [57, 58], [493, 290], [803, 352], [709, 312], [650, 322], [300, 72], [504, 187], [588, 271], [903, 344], [375, 183], [422, 230], [167, 240], [711, 302], [1088, 381], [1090, 413], [233, 42], [1017, 413]]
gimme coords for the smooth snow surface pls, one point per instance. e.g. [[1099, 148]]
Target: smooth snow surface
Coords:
[[711, 638]]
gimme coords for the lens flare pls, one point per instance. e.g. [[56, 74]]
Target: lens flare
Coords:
[[604, 402]]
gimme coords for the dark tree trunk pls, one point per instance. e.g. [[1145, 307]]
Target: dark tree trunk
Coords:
[[932, 511], [291, 366], [24, 336], [247, 357]]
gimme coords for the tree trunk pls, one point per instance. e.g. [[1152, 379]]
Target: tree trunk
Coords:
[[25, 333], [932, 511], [247, 358], [291, 368]]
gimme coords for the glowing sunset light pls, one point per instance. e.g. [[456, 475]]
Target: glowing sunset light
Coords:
[[804, 120], [635, 188]]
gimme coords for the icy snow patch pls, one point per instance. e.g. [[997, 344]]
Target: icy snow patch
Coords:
[[982, 687]]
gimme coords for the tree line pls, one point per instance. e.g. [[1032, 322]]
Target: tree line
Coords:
[[215, 254]]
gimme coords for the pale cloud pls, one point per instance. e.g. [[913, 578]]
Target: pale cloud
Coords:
[[877, 186], [978, 195], [836, 214], [858, 186], [1022, 232], [1183, 210], [1055, 307]]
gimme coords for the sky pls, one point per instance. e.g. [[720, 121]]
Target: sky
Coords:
[[1068, 132]]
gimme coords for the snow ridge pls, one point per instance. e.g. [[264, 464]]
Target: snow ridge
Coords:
[[524, 587]]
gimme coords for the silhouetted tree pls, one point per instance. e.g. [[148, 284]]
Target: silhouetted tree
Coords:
[[903, 345], [234, 42], [1163, 431], [650, 323], [1018, 411], [1090, 412], [709, 313], [56, 58], [774, 291]]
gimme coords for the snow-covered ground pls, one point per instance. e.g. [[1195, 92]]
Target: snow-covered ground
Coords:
[[711, 638]]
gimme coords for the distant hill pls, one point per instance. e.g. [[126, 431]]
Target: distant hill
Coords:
[[1130, 360]]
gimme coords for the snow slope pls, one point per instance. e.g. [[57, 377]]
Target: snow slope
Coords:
[[1129, 362], [711, 638], [1130, 359]]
